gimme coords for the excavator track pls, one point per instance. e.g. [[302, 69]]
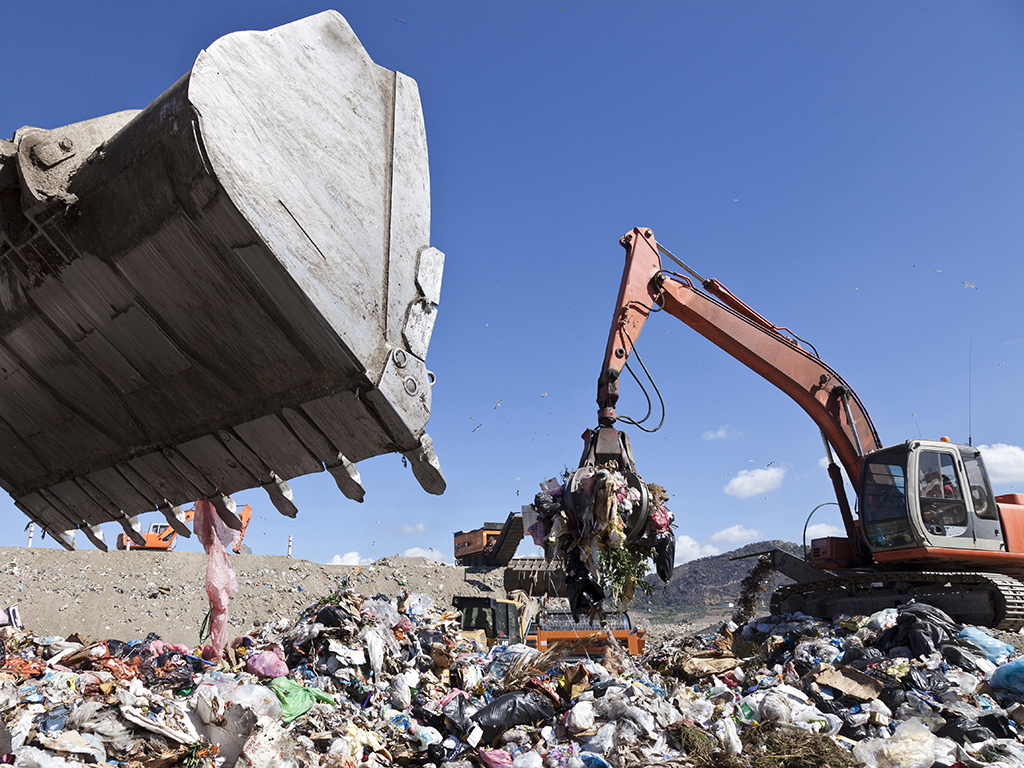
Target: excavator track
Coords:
[[986, 599]]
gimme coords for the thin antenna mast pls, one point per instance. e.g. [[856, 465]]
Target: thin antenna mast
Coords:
[[970, 366]]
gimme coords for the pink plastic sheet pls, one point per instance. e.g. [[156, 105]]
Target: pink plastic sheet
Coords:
[[215, 537]]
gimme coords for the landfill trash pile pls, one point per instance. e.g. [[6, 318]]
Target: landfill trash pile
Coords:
[[902, 687], [597, 523], [354, 680]]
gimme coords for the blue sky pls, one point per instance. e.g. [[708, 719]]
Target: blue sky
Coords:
[[853, 171]]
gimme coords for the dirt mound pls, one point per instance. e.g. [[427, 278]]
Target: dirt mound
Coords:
[[127, 595]]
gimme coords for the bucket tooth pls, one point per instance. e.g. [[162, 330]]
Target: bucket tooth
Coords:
[[227, 510], [175, 517], [426, 467], [281, 495], [347, 478], [95, 534], [132, 529]]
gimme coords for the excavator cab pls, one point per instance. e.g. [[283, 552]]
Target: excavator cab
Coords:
[[928, 494]]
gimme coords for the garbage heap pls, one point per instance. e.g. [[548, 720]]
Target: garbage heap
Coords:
[[377, 681], [902, 687]]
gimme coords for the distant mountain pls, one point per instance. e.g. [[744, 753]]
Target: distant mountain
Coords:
[[705, 584]]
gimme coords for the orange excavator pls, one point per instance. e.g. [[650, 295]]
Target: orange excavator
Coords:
[[926, 525], [161, 537]]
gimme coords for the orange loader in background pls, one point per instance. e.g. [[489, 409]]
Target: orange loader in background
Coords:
[[161, 537]]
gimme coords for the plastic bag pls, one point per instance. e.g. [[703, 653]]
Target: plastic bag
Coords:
[[529, 759], [603, 740], [296, 699], [419, 604], [495, 758], [215, 536], [726, 732], [1009, 676], [269, 746], [399, 695], [257, 698], [883, 619], [964, 731], [814, 651], [267, 664], [921, 627], [996, 650], [510, 710], [912, 745], [581, 717]]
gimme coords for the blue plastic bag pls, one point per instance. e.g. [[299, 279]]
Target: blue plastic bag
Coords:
[[1009, 676], [996, 650]]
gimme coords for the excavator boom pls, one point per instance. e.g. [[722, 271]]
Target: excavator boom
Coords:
[[228, 289], [732, 326]]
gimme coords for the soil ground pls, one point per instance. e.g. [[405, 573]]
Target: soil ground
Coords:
[[127, 595]]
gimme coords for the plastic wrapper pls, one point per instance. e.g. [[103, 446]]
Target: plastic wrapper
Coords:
[[382, 611], [215, 537]]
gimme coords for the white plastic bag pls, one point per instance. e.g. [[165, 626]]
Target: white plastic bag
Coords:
[[581, 718], [726, 732]]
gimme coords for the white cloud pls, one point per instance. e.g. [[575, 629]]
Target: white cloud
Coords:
[[823, 462], [407, 529], [349, 558], [1005, 463], [431, 554], [821, 530], [735, 533], [717, 434], [687, 549], [751, 482]]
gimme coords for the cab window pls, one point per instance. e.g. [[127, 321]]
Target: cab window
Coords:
[[942, 508], [884, 502], [980, 490]]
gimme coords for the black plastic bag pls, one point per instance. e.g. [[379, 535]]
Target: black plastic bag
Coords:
[[962, 730], [961, 657], [456, 712], [927, 681], [332, 616], [427, 637], [547, 506], [665, 555], [1000, 725], [860, 657], [921, 627], [510, 710]]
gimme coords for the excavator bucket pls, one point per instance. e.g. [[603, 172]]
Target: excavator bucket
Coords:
[[228, 289]]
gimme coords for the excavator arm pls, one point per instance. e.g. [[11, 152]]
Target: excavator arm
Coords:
[[734, 327]]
